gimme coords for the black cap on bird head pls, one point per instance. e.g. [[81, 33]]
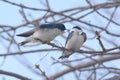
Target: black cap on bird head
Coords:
[[77, 27], [61, 26], [52, 25]]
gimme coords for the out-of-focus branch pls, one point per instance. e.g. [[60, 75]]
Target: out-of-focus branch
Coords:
[[114, 78], [19, 5], [97, 6], [44, 50], [25, 52], [43, 73], [100, 42], [84, 65], [14, 75]]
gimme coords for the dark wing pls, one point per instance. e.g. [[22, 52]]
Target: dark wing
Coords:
[[27, 34], [84, 34], [48, 26], [51, 26], [69, 36]]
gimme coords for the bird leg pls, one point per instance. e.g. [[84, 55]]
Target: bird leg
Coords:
[[64, 56]]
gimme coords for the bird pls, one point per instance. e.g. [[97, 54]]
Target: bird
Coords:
[[45, 33], [74, 41]]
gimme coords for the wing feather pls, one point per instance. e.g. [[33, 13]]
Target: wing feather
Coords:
[[27, 34], [69, 36], [84, 36]]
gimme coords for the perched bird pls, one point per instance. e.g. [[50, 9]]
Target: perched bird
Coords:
[[45, 33], [74, 41]]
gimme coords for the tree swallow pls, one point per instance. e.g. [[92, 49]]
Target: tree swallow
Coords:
[[45, 33], [74, 41]]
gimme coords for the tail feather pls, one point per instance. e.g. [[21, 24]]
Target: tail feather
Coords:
[[27, 34]]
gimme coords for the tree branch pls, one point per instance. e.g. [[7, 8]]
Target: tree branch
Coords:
[[14, 75], [84, 65]]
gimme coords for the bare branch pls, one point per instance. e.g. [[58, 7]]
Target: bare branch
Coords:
[[84, 65], [14, 75]]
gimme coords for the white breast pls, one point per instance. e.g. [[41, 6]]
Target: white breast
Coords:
[[75, 42], [47, 35]]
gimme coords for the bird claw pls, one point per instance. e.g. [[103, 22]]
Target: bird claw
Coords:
[[23, 43], [64, 56]]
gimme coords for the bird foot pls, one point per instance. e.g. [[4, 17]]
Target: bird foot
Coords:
[[23, 43], [63, 56]]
